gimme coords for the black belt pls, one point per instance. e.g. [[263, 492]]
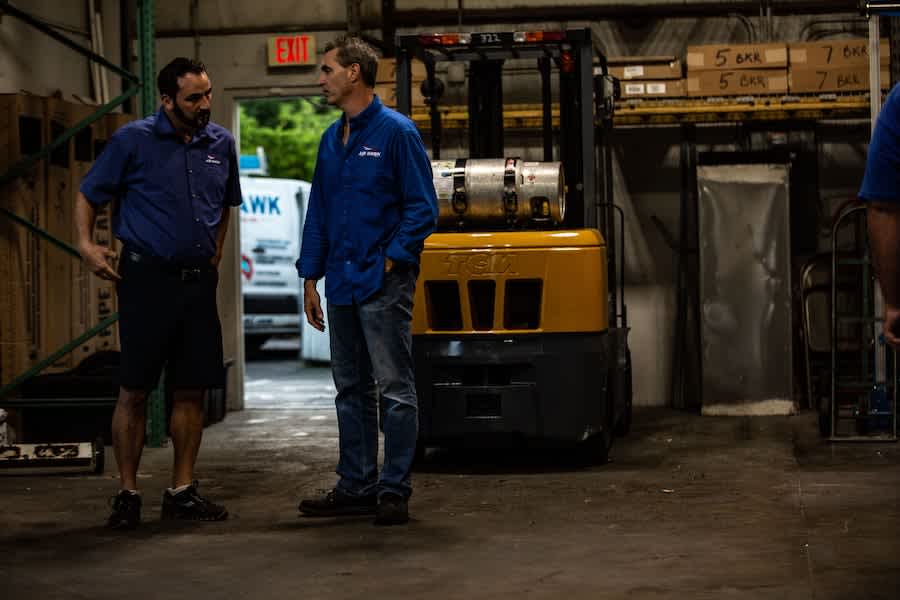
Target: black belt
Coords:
[[187, 271]]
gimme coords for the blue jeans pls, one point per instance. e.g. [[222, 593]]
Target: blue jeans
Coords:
[[371, 361]]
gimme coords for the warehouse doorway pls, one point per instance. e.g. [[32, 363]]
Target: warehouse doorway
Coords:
[[286, 361], [279, 140]]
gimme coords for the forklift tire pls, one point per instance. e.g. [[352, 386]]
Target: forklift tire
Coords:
[[623, 426], [98, 460], [594, 450], [419, 456], [421, 447], [824, 418]]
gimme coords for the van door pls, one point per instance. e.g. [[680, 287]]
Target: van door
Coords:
[[270, 244], [314, 344]]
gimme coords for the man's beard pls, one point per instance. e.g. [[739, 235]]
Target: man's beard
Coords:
[[200, 120]]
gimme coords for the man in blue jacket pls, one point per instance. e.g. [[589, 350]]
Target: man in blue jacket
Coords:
[[881, 190], [371, 206]]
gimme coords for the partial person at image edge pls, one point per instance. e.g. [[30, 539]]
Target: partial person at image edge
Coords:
[[881, 191]]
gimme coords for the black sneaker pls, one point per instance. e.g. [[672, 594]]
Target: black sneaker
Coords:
[[126, 511], [393, 509], [188, 505], [336, 504]]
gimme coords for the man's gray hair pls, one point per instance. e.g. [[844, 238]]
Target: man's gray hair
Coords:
[[351, 49]]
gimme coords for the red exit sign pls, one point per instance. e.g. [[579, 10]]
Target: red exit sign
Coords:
[[292, 50]]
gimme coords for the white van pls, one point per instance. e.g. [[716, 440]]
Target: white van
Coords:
[[314, 344], [271, 217]]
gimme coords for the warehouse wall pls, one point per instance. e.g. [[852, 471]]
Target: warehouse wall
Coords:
[[33, 62], [274, 15], [648, 180], [48, 298]]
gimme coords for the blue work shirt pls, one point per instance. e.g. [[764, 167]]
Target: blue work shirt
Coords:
[[171, 194], [881, 182], [371, 199]]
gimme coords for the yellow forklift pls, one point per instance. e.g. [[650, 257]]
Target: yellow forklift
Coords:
[[519, 330]]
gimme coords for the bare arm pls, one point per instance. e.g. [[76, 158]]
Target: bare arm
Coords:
[[220, 236], [884, 240], [312, 305], [95, 256]]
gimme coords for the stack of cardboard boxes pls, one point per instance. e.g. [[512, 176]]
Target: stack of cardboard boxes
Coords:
[[386, 82], [647, 76], [21, 134], [716, 70], [737, 70], [835, 66], [99, 295], [47, 297]]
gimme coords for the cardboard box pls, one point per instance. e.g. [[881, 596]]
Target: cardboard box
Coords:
[[96, 297], [836, 53], [113, 122], [671, 88], [387, 70], [101, 300], [834, 80], [21, 134], [643, 68], [82, 159], [737, 82], [736, 56], [388, 95], [57, 217], [46, 298]]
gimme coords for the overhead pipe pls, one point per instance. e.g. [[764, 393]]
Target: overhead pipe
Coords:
[[818, 36], [807, 34], [126, 48], [619, 9], [388, 29], [353, 14], [195, 19], [748, 25]]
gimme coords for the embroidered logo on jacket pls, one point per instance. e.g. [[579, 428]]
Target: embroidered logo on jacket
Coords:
[[212, 160], [373, 152]]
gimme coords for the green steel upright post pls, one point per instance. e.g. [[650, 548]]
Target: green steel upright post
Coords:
[[156, 404], [147, 56]]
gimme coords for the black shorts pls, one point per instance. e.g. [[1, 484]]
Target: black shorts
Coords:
[[168, 318]]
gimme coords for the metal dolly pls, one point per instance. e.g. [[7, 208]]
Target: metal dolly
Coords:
[[862, 404]]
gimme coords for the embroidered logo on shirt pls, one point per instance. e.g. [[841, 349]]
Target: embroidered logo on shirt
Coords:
[[373, 152], [212, 160]]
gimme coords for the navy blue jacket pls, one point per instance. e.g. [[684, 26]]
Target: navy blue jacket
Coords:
[[881, 182], [371, 199], [171, 194]]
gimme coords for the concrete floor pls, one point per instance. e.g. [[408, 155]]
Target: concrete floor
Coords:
[[690, 507]]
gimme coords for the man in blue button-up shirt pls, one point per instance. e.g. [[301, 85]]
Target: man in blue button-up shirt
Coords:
[[881, 190], [174, 179], [371, 206]]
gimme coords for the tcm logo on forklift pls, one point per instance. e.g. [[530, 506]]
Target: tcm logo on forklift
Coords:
[[481, 263]]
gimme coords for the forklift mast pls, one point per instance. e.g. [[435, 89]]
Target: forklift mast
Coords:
[[583, 132]]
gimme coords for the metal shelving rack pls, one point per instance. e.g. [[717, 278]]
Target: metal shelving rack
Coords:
[[859, 391], [678, 111], [143, 85]]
